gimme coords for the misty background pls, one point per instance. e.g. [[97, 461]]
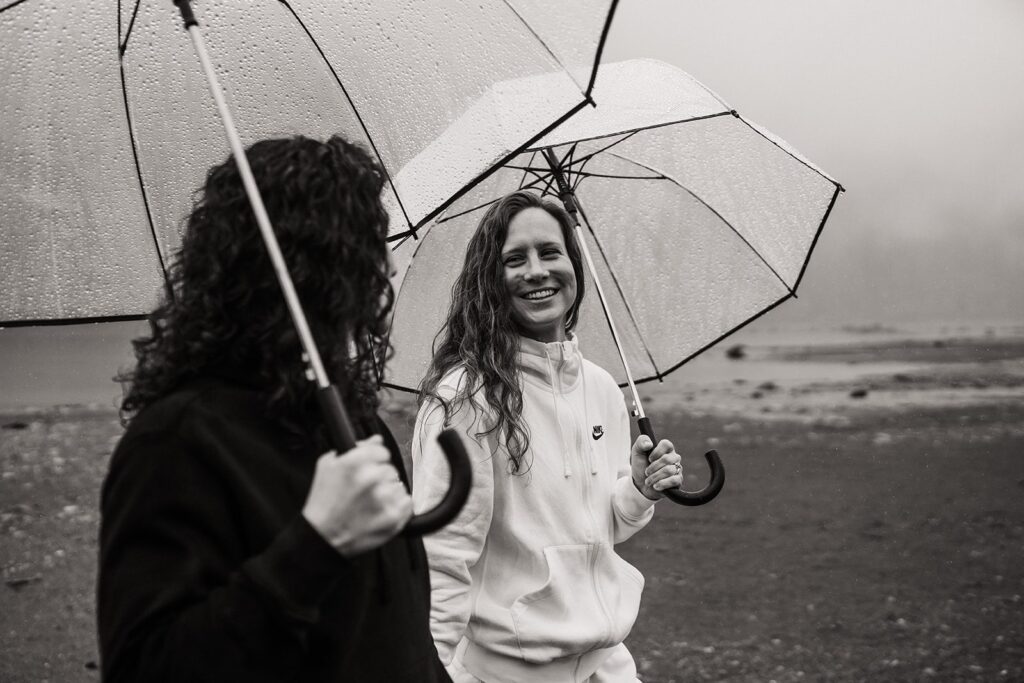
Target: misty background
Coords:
[[915, 106]]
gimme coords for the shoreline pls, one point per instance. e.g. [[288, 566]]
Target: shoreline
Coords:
[[785, 380]]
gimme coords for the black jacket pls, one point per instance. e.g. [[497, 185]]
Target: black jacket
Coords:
[[208, 571]]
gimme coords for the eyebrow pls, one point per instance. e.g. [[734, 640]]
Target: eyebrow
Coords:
[[542, 245]]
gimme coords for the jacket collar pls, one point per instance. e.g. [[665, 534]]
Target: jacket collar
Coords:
[[554, 365]]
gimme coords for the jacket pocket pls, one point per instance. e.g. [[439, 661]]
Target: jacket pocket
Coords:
[[590, 600]]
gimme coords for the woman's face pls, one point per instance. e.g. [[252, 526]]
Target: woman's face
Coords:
[[539, 277]]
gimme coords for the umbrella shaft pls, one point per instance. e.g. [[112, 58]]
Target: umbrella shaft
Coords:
[[608, 316], [568, 198], [311, 354]]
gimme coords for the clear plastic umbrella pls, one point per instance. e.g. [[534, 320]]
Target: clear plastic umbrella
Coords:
[[108, 126], [695, 222], [54, 223]]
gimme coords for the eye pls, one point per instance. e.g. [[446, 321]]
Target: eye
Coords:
[[513, 260], [551, 252]]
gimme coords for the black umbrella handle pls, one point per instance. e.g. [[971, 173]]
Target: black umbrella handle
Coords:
[[343, 438], [458, 490], [186, 13], [691, 498]]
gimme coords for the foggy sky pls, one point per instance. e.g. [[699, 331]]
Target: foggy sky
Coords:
[[915, 106]]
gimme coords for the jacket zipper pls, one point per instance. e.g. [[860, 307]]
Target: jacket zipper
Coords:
[[592, 535]]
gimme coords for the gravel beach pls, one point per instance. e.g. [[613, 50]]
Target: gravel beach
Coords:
[[871, 527]]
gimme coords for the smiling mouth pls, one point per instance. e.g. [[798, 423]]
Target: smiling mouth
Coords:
[[540, 294]]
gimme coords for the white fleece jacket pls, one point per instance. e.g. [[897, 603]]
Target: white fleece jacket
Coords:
[[525, 581]]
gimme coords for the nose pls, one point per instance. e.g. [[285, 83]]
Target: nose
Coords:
[[535, 270]]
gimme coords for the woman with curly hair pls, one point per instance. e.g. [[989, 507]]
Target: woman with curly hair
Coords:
[[234, 545], [526, 584]]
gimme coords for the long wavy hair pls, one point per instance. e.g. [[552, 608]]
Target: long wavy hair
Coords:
[[479, 334], [225, 311]]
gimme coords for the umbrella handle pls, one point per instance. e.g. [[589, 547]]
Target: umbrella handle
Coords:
[[343, 438], [458, 491], [691, 498]]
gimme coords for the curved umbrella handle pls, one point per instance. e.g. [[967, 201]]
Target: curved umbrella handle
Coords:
[[344, 439], [691, 498], [458, 491]]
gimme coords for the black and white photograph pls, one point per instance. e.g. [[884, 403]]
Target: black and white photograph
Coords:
[[511, 341]]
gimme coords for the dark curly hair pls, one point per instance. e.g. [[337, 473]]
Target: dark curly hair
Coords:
[[479, 334], [225, 309]]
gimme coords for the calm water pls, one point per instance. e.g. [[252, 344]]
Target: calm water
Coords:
[[42, 366], [75, 364]]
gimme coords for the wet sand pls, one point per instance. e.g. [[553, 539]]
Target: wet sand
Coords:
[[871, 528], [890, 548]]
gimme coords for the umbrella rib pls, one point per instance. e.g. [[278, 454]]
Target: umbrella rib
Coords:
[[722, 336], [419, 245], [814, 242], [789, 153], [569, 155], [453, 216], [13, 4], [527, 169], [585, 174], [49, 322], [545, 46], [355, 110], [533, 155], [399, 387], [131, 24], [618, 288], [548, 183], [402, 241], [600, 49], [498, 164], [693, 194], [629, 133], [538, 178], [587, 157], [135, 158], [529, 186], [578, 173], [567, 166]]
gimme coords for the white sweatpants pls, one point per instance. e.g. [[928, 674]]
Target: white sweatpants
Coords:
[[619, 667]]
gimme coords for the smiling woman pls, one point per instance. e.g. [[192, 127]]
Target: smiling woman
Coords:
[[487, 317], [539, 274], [555, 482]]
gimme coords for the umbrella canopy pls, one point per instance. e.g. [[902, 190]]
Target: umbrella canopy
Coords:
[[698, 220], [103, 143]]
